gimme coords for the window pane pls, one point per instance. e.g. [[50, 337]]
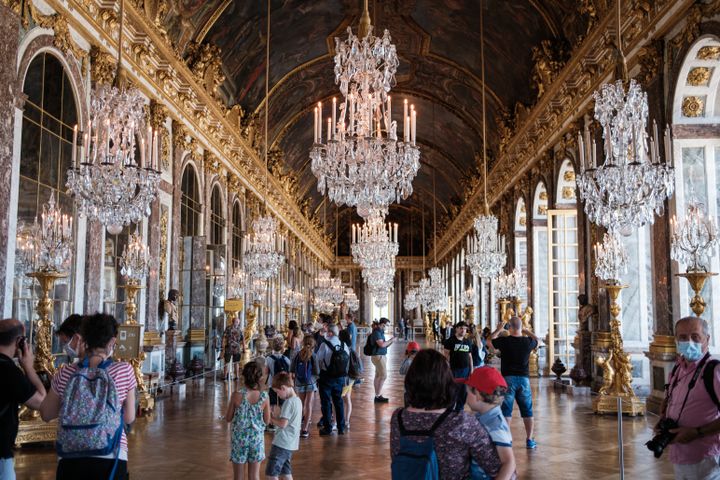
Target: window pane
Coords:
[[694, 182]]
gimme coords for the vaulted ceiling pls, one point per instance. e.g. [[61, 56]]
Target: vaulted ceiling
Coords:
[[438, 42]]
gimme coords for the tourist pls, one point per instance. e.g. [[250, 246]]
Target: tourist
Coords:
[[287, 432], [321, 330], [692, 403], [354, 372], [276, 363], [410, 351], [71, 384], [249, 412], [458, 351], [486, 390], [407, 325], [69, 335], [293, 339], [477, 350], [515, 351], [233, 347], [305, 370], [352, 330], [379, 357], [457, 436], [334, 359], [18, 387]]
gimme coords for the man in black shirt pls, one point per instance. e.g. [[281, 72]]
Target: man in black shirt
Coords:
[[458, 350], [514, 365], [17, 388]]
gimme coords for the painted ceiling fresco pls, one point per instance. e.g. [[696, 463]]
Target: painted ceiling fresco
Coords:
[[438, 43]]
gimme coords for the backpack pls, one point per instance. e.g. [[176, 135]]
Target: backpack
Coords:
[[355, 369], [90, 420], [280, 364], [370, 346], [303, 371], [339, 361], [417, 460], [708, 379]]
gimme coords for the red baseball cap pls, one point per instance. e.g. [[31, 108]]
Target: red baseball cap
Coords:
[[485, 379], [412, 347]]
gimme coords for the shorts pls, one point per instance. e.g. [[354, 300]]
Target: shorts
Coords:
[[278, 462], [306, 388], [380, 363], [518, 390], [235, 357], [274, 400], [706, 469], [348, 386]]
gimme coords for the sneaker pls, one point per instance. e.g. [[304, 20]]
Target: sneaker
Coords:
[[321, 423], [347, 426], [325, 433], [334, 427], [531, 443], [341, 432], [381, 399], [304, 434]]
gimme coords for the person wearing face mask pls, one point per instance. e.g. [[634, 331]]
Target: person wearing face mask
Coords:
[[77, 460], [69, 335], [691, 401]]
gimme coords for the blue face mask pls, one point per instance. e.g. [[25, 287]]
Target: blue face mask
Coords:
[[692, 351]]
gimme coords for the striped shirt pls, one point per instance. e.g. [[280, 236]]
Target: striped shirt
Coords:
[[122, 374]]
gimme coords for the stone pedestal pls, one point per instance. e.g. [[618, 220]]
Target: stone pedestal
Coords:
[[173, 348], [600, 345], [662, 356]]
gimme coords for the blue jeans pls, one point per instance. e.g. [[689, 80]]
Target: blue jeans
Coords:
[[518, 390], [331, 395], [462, 389], [7, 469]]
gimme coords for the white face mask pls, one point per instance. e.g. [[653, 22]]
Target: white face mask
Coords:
[[70, 351]]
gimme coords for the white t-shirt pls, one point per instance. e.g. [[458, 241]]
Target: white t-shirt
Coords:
[[289, 437]]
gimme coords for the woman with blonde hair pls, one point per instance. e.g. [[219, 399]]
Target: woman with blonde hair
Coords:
[[305, 370]]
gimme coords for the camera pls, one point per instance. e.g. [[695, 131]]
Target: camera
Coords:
[[21, 343], [658, 443]]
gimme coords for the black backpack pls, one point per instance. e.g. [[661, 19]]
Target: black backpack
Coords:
[[280, 364], [370, 346], [355, 369], [339, 361], [708, 379]]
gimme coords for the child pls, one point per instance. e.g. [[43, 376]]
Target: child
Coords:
[[305, 370], [486, 389], [276, 362], [249, 411], [410, 352], [287, 433]]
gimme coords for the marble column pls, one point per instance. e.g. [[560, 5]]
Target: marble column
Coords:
[[94, 253], [152, 336], [9, 37]]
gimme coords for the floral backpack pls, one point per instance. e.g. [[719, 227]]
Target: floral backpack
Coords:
[[90, 420]]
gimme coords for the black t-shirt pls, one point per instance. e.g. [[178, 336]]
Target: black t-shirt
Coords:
[[515, 354], [459, 352], [16, 389]]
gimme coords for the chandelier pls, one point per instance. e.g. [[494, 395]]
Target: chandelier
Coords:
[[411, 299], [351, 301], [487, 254], [362, 162], [437, 291], [135, 262], [108, 182], [292, 298], [502, 286], [468, 297], [694, 239], [262, 257], [258, 289], [611, 257], [47, 246], [516, 283], [328, 288], [323, 306], [236, 285], [374, 243]]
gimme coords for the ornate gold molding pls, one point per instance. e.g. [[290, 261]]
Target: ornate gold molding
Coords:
[[699, 76], [58, 24], [102, 66], [693, 106], [711, 52]]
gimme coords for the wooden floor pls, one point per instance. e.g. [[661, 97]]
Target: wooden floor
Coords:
[[187, 439]]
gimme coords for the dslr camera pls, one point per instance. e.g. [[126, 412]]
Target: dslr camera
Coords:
[[658, 443]]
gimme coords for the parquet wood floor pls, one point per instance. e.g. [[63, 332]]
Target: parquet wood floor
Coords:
[[186, 439]]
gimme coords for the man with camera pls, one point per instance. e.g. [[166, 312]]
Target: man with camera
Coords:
[[17, 388], [690, 413]]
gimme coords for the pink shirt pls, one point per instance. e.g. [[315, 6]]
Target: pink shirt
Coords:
[[699, 410]]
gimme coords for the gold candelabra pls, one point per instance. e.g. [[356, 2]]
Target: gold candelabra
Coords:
[[147, 402], [617, 368], [44, 365], [470, 314], [697, 279]]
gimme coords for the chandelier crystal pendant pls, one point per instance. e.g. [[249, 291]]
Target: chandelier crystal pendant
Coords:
[[361, 162], [262, 257], [694, 238], [107, 180], [611, 257]]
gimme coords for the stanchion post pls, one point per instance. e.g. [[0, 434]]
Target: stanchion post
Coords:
[[621, 448]]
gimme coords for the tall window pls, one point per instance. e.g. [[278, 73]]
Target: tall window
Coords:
[[190, 207], [237, 234], [540, 261], [113, 284], [521, 257], [49, 117], [217, 219]]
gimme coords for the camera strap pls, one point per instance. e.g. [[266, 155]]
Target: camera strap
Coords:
[[691, 385]]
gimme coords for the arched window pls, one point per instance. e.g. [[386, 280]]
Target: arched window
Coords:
[[217, 219], [521, 256], [190, 207], [696, 151], [540, 263], [237, 235], [49, 116]]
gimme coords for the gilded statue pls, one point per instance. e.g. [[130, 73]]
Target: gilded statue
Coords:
[[608, 373], [547, 63], [506, 129], [526, 317], [250, 326], [204, 61]]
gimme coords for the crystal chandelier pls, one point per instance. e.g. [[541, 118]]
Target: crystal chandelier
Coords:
[[328, 288], [437, 290], [424, 295], [351, 301], [292, 298], [502, 286], [374, 242], [258, 289], [47, 246], [109, 184], [468, 297], [411, 299], [362, 162], [611, 257], [323, 306], [516, 283], [134, 262], [487, 254], [262, 257], [25, 249], [694, 239], [237, 284]]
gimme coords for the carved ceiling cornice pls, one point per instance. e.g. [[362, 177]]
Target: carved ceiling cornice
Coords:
[[159, 71], [566, 100], [401, 263]]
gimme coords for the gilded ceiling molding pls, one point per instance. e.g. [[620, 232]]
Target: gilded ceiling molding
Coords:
[[590, 65], [163, 73], [63, 40], [211, 21], [650, 57]]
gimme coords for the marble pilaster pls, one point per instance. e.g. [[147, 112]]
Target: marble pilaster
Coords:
[[153, 287], [92, 301]]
